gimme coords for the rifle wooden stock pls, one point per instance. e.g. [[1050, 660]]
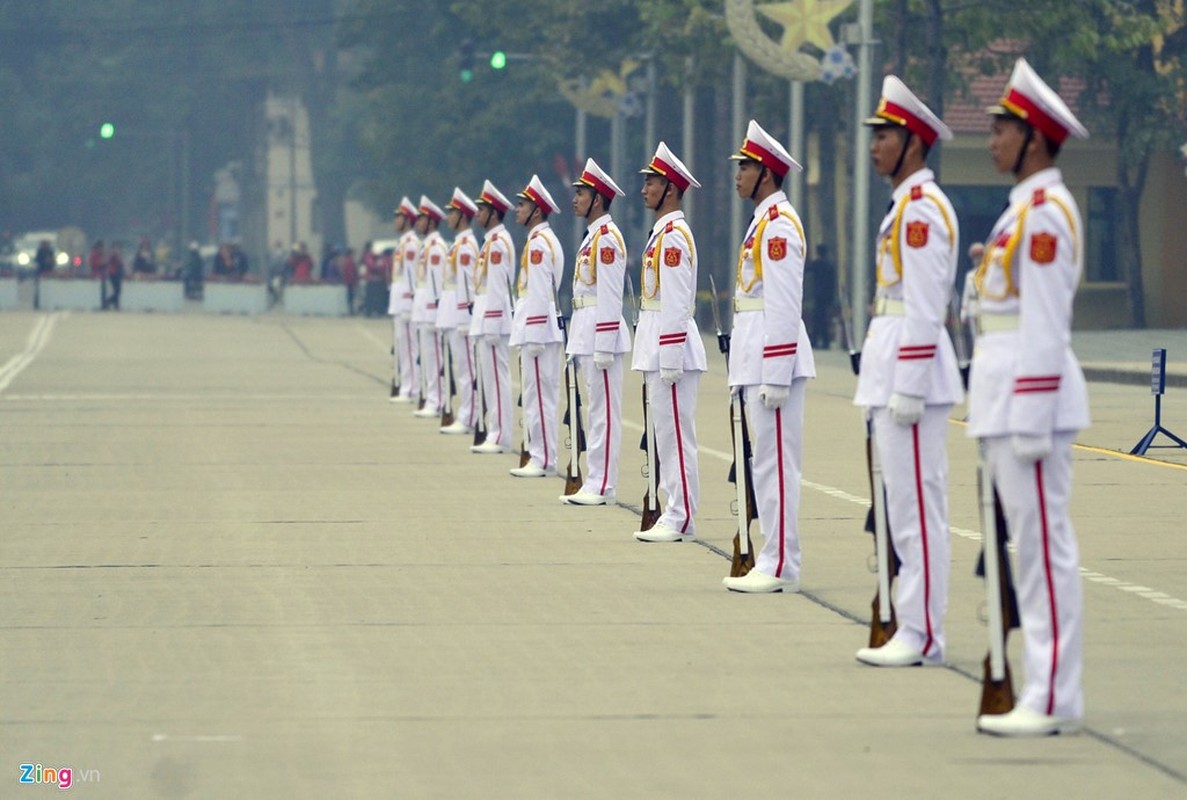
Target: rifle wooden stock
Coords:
[[743, 556], [997, 684], [480, 398], [883, 620], [451, 387], [651, 512], [573, 420]]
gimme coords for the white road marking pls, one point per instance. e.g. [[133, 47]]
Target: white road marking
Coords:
[[38, 339]]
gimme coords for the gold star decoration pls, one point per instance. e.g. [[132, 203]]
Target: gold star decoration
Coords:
[[804, 21]]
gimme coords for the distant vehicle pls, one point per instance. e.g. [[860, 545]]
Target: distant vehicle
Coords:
[[24, 251], [379, 246]]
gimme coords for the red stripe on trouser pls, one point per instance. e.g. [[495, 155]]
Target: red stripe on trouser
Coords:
[[494, 365], [606, 446], [782, 499], [540, 405], [930, 640], [680, 455], [1050, 587]]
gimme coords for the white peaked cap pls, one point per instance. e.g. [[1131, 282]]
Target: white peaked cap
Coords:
[[665, 163], [407, 208], [1030, 99], [462, 202], [899, 106], [493, 197], [760, 146], [596, 178], [536, 192], [431, 209]]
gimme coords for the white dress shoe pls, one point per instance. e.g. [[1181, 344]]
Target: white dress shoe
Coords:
[[660, 532], [1023, 721], [895, 653], [457, 429], [489, 447], [426, 413], [531, 470], [584, 498], [755, 582]]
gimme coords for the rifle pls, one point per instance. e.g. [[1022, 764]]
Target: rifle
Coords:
[[447, 371], [572, 418], [997, 686], [395, 359], [883, 620], [524, 456], [743, 558], [651, 510], [480, 398]]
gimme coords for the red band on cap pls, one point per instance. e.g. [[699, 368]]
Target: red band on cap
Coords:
[[1048, 125], [912, 123], [765, 157], [538, 200], [491, 200], [594, 182], [669, 172]]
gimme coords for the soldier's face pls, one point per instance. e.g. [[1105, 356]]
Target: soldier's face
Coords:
[[653, 190], [1006, 137], [748, 175], [422, 224], [885, 148], [582, 200], [454, 219]]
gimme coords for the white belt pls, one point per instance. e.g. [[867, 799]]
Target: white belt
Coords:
[[586, 302], [993, 323], [651, 304], [748, 304], [887, 307]]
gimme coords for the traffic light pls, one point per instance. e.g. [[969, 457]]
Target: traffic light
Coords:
[[498, 59], [466, 60], [106, 130]]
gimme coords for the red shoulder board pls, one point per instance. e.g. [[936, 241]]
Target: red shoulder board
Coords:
[[916, 192], [605, 229], [917, 234], [607, 255], [668, 228], [1042, 248], [1040, 197], [671, 256], [537, 256], [774, 212], [777, 248]]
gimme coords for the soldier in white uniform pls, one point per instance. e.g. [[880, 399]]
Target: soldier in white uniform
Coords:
[[770, 358], [668, 347], [453, 311], [430, 273], [399, 302], [492, 319], [1028, 398], [535, 329], [909, 378], [598, 337]]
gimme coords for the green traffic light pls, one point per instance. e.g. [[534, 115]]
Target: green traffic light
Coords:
[[106, 130], [466, 75], [498, 59]]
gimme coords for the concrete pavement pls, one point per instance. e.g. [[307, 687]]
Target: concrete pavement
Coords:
[[234, 570]]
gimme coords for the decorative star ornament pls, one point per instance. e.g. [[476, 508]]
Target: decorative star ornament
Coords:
[[805, 21]]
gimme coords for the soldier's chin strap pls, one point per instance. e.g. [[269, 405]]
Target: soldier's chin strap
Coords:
[[662, 195], [762, 171], [1030, 132], [593, 195], [898, 165]]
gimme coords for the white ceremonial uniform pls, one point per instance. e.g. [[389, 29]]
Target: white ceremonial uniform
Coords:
[[1026, 380], [492, 283], [541, 265], [399, 305], [430, 273], [907, 351], [453, 318], [598, 327], [667, 338], [769, 346]]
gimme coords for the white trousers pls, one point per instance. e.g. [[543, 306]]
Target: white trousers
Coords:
[[603, 427], [673, 416], [541, 380], [1050, 596], [462, 358], [915, 473], [430, 365], [405, 357], [494, 360], [776, 466]]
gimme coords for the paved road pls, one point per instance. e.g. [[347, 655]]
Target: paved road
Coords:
[[231, 569]]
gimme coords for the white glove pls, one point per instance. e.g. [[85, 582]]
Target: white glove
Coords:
[[603, 360], [904, 409], [533, 350], [670, 376], [1031, 447], [491, 339], [773, 396]]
